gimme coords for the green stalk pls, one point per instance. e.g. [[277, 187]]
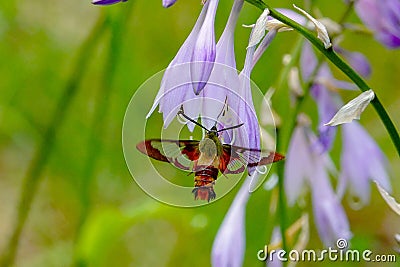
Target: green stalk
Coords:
[[342, 65], [281, 196], [41, 156], [295, 54]]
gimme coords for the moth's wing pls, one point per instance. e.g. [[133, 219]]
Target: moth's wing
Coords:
[[235, 159], [180, 153]]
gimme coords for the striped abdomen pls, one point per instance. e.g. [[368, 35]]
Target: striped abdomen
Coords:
[[204, 179]]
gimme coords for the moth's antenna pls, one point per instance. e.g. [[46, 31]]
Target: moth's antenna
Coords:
[[180, 112], [222, 110], [230, 128]]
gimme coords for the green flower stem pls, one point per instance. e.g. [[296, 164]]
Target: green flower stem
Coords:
[[35, 170], [295, 54], [338, 62], [281, 197]]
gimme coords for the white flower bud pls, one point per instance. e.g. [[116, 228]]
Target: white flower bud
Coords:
[[259, 29]]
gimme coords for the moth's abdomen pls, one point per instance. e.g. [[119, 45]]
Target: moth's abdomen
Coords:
[[204, 180]]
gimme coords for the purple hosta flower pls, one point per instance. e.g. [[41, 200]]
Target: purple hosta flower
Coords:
[[183, 74], [324, 97], [357, 60], [305, 164], [326, 109], [383, 17], [168, 3], [249, 133], [264, 45], [330, 217], [229, 244], [106, 2], [324, 86], [361, 162], [204, 50], [176, 85], [224, 79]]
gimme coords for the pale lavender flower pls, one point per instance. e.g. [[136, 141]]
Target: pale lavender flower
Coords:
[[306, 165], [355, 167], [229, 244], [361, 162], [298, 165], [194, 59], [106, 2], [357, 60], [383, 17], [264, 45], [176, 86], [224, 78], [330, 217], [293, 15], [321, 94], [327, 107], [324, 86], [308, 62], [204, 50], [168, 3], [249, 133]]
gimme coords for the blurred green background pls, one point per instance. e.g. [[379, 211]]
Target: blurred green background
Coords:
[[67, 72]]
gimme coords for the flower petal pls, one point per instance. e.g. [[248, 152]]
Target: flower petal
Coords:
[[232, 231], [353, 109], [330, 217], [321, 29], [361, 161], [224, 78], [168, 3], [106, 2], [204, 50], [297, 165], [259, 29], [176, 82], [393, 204], [357, 60]]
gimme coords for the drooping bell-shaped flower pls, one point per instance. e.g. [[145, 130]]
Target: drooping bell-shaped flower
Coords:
[[323, 91], [330, 217], [189, 71], [357, 61], [306, 165], [224, 78], [298, 165], [242, 105], [204, 50], [249, 133], [383, 18], [361, 162], [229, 244], [168, 3], [176, 88], [106, 2]]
